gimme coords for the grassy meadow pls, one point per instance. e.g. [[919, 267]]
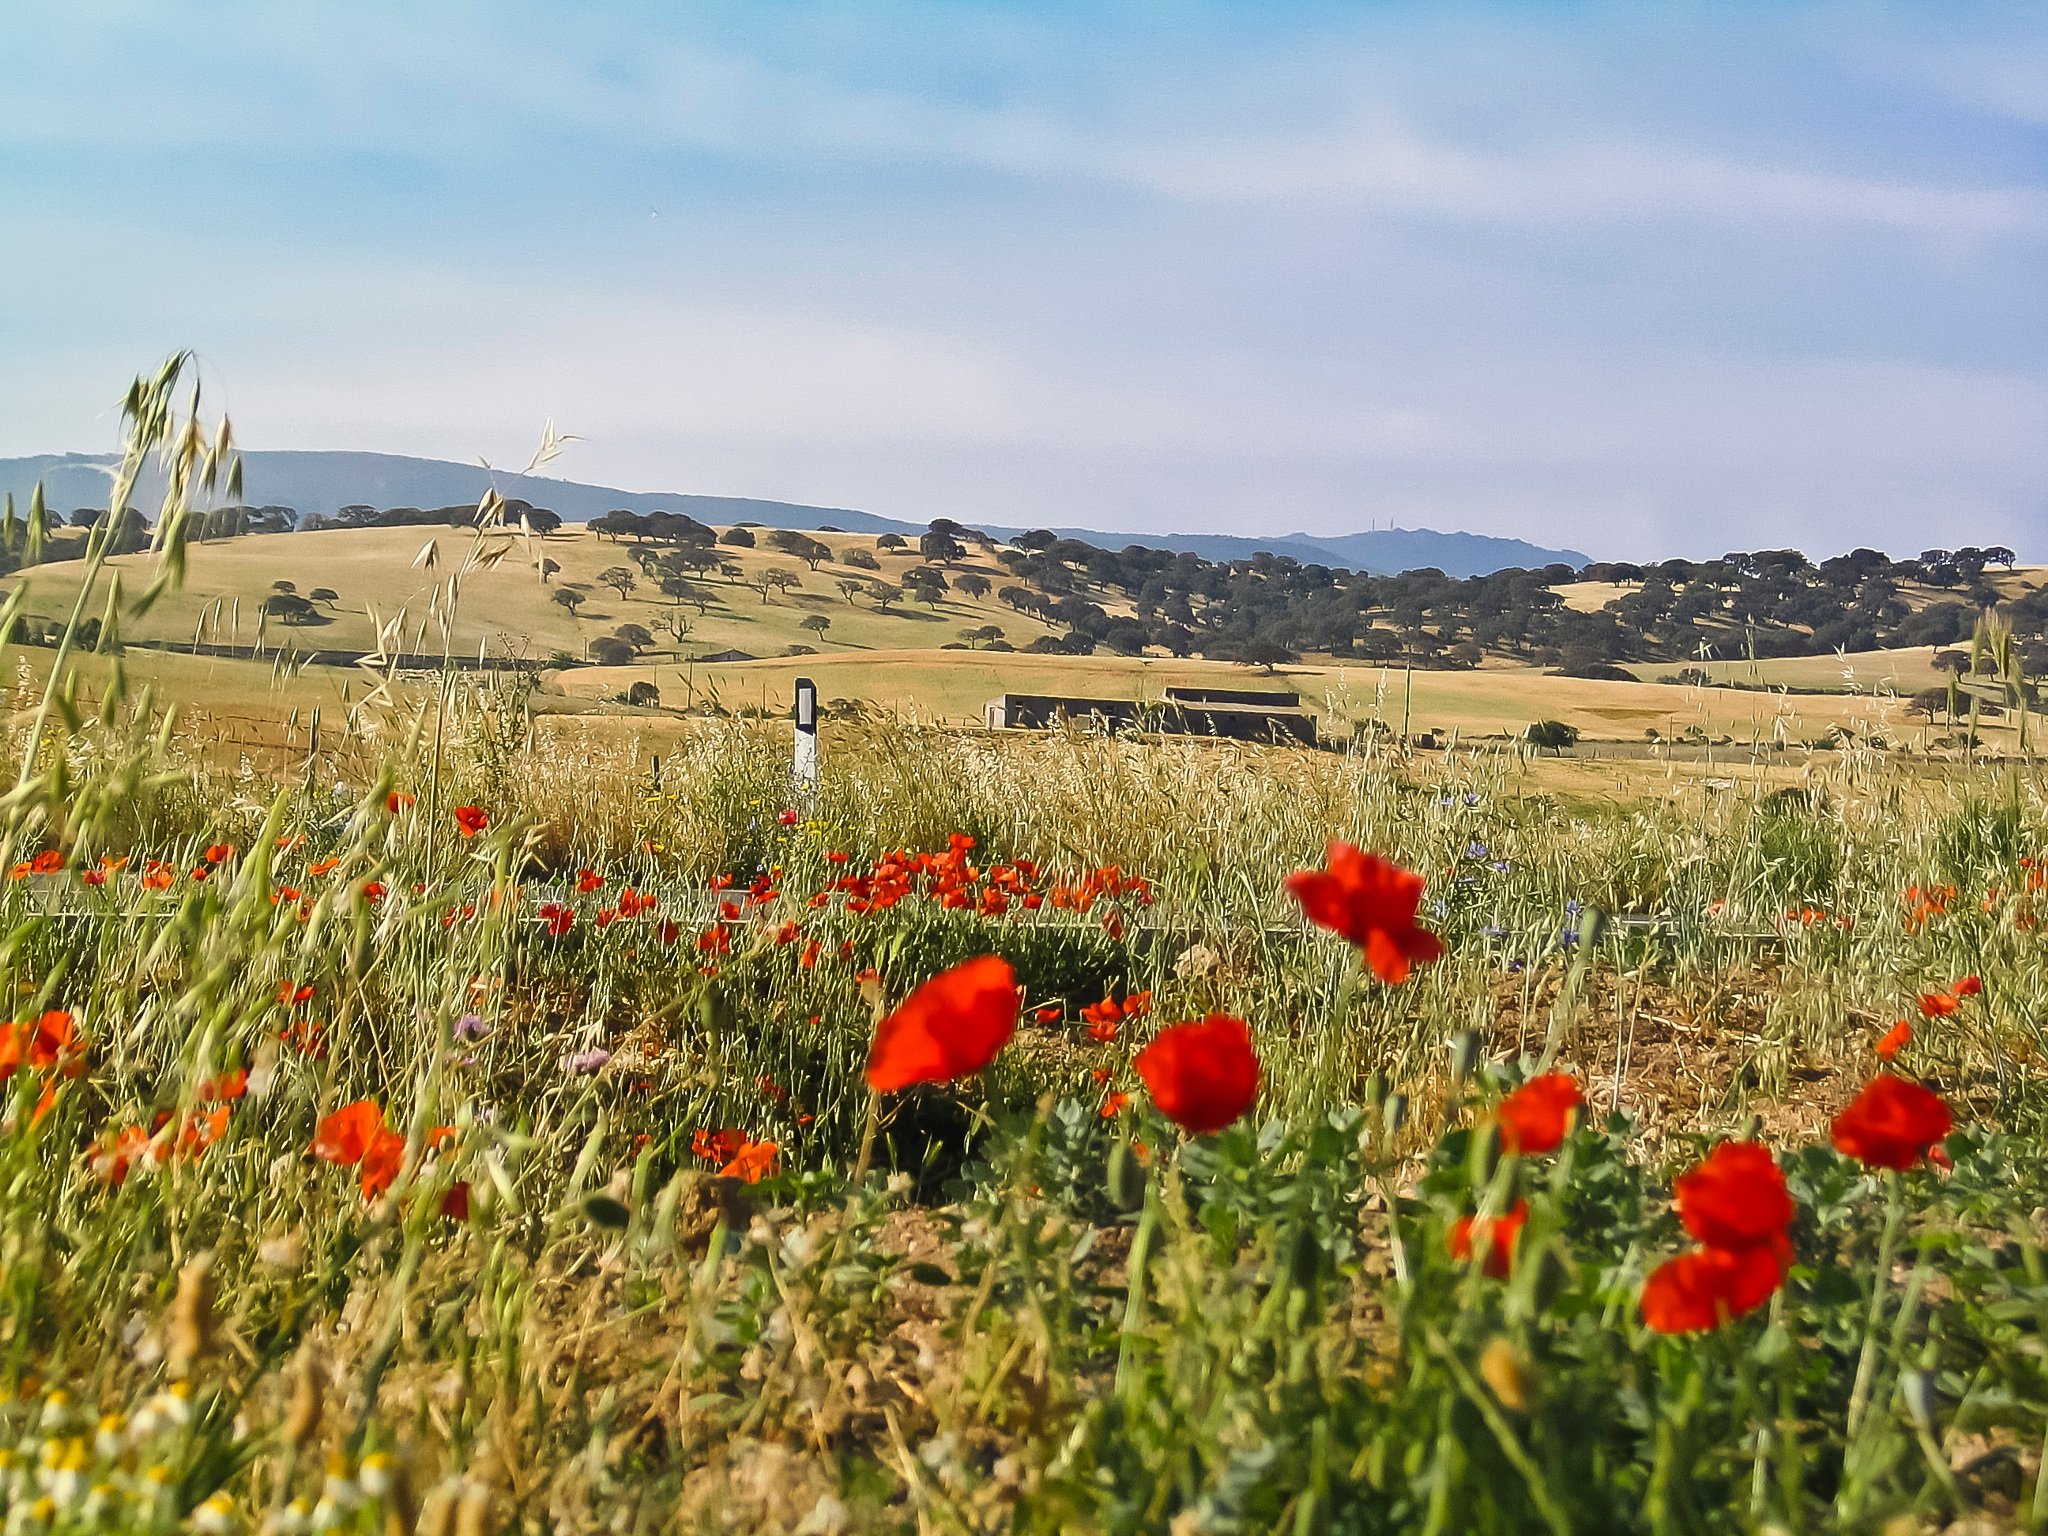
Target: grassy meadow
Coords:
[[470, 1132]]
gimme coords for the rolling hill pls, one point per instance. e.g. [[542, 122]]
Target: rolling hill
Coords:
[[326, 482]]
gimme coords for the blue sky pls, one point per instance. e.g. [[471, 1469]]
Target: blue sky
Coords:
[[1638, 279]]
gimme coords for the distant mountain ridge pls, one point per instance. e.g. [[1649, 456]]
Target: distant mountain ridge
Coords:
[[325, 482]]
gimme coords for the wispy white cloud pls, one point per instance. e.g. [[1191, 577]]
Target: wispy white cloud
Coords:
[[1561, 278]]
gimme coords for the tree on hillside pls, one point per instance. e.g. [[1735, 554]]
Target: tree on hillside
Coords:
[[1930, 702], [816, 623], [738, 537], [859, 559], [635, 635], [569, 598], [286, 587], [889, 541], [987, 634], [325, 595], [674, 622], [849, 586], [289, 608], [1551, 736], [610, 651], [539, 520], [885, 593], [620, 579], [941, 546], [780, 580], [802, 545], [973, 583]]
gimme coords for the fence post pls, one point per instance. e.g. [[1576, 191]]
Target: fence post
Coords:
[[804, 764]]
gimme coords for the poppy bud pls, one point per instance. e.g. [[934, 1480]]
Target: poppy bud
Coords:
[[302, 1417], [1124, 1179], [1396, 1113], [1548, 1278], [1917, 1388], [1482, 1156], [191, 1331], [1751, 1128], [1505, 1373], [473, 1513], [602, 1210], [1304, 1257], [1464, 1048], [437, 1511], [1376, 1086]]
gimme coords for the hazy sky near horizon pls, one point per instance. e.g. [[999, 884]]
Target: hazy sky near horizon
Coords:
[[1642, 280]]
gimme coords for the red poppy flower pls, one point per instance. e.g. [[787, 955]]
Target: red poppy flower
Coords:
[[455, 1203], [344, 1136], [1895, 1040], [1710, 1286], [397, 801], [1113, 1104], [1496, 1237], [220, 853], [1892, 1123], [556, 918], [588, 880], [111, 1160], [1735, 1197], [229, 1085], [788, 819], [1201, 1075], [1050, 1013], [752, 1163], [1537, 1116], [1937, 1005], [951, 1027], [1371, 902], [717, 1146], [469, 820], [381, 1161], [1969, 986]]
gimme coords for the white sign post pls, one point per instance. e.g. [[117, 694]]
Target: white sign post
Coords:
[[804, 767]]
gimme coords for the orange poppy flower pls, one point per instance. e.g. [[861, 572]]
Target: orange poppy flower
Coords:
[[1201, 1075], [382, 1159], [1537, 1116], [229, 1085], [951, 1027], [1372, 902], [455, 1203], [1892, 1123], [1735, 1197], [396, 801], [588, 880], [347, 1134], [220, 853], [1113, 1105], [1496, 1238], [469, 820], [110, 1161], [1938, 1005], [1895, 1040], [752, 1163], [1969, 986], [717, 1146], [1710, 1286]]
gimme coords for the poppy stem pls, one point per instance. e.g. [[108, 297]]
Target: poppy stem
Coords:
[[868, 1128], [1887, 1244], [1134, 1286]]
